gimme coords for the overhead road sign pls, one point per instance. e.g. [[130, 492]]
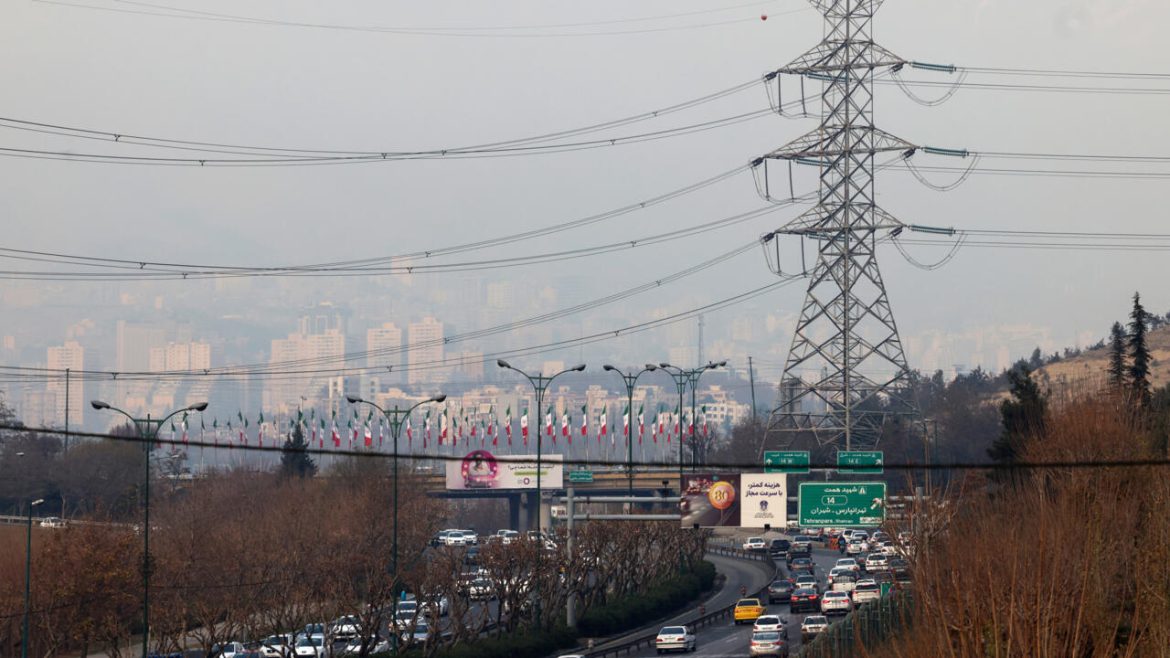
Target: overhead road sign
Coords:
[[860, 462], [581, 477], [842, 504], [786, 461]]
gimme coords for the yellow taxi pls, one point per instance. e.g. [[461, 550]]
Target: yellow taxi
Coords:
[[748, 610]]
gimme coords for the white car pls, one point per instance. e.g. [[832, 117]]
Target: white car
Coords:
[[856, 547], [836, 603], [276, 646], [675, 638], [508, 536], [813, 625], [480, 589], [770, 623], [437, 607], [345, 628], [373, 644], [866, 591], [844, 581], [52, 522], [312, 646], [848, 563], [226, 649], [876, 562], [754, 544]]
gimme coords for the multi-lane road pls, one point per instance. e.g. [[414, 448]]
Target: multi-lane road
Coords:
[[727, 639]]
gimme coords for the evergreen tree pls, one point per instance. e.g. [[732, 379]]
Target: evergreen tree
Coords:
[[1139, 353], [294, 459], [1023, 416], [1117, 370]]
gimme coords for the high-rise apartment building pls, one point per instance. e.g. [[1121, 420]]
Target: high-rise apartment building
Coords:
[[383, 345], [180, 356], [70, 356], [321, 350], [425, 342], [134, 342]]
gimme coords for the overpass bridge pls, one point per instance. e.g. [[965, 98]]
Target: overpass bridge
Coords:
[[523, 506]]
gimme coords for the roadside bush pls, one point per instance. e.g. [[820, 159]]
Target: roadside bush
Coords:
[[517, 645], [660, 599]]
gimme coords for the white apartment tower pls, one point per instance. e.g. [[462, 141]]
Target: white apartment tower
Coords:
[[69, 356], [425, 343]]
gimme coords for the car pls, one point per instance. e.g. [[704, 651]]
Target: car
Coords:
[[437, 606], [802, 564], [52, 522], [374, 646], [779, 547], [883, 577], [675, 638], [768, 643], [802, 544], [345, 628], [889, 549], [470, 538], [453, 537], [417, 633], [848, 563], [866, 591], [507, 536], [780, 591], [755, 544], [807, 580], [804, 599], [876, 562], [226, 649], [770, 623], [836, 603], [480, 589], [812, 626], [276, 646], [310, 646], [747, 610], [843, 582], [856, 547], [471, 555]]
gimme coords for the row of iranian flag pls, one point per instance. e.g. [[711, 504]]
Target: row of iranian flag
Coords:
[[446, 428]]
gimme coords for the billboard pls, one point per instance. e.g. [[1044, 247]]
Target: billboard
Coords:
[[749, 500], [480, 469]]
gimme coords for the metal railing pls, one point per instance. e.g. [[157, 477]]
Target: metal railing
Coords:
[[866, 626]]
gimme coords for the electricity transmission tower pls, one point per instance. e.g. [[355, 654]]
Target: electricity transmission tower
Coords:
[[846, 370]]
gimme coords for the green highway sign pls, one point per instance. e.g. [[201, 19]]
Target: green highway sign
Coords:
[[842, 504], [860, 461], [786, 461], [581, 477]]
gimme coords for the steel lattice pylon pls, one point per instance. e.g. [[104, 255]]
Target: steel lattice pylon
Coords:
[[846, 370]]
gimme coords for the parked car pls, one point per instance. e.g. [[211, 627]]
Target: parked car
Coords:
[[768, 643], [747, 610], [780, 591], [675, 638], [804, 599], [755, 544], [812, 626], [836, 603], [770, 623]]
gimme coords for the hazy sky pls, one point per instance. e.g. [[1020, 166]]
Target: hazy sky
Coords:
[[307, 87]]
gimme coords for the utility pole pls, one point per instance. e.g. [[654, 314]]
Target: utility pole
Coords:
[[846, 327], [752, 381], [66, 450]]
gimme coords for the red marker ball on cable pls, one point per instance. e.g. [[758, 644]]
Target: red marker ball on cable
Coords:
[[763, 17]]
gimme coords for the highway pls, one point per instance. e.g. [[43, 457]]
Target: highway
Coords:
[[731, 640]]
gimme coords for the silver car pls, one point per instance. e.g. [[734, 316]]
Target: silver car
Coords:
[[675, 638]]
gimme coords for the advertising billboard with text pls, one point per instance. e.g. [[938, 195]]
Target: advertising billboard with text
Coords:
[[721, 500], [480, 469]]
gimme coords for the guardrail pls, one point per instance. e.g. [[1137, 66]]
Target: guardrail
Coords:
[[646, 639]]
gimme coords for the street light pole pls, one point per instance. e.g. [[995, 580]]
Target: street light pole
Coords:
[[693, 377], [147, 429], [630, 380], [24, 637], [540, 384], [395, 417]]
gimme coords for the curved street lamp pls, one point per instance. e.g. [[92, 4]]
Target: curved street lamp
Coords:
[[148, 429], [27, 575], [540, 384], [630, 380]]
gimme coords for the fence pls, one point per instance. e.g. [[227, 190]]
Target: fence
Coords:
[[865, 626]]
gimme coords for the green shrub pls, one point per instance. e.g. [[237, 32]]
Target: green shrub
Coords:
[[657, 601], [526, 644]]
